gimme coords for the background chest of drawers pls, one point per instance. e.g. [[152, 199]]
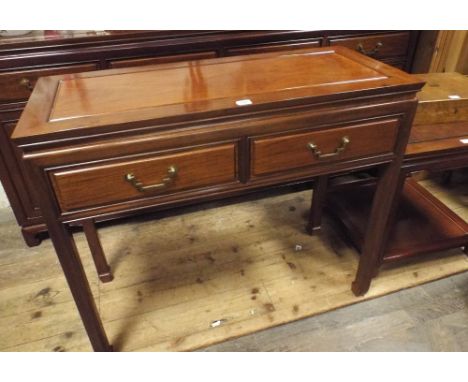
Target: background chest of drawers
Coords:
[[23, 60]]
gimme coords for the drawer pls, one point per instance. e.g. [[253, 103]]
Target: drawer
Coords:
[[145, 177], [377, 46], [161, 59], [17, 86], [273, 47], [292, 151]]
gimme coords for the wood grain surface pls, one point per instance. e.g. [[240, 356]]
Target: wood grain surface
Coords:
[[104, 184], [444, 99], [290, 151]]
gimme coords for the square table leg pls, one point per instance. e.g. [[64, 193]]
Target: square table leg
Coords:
[[97, 253], [318, 201], [377, 229], [72, 266]]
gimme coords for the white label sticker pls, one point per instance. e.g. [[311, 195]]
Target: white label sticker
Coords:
[[454, 96], [244, 102], [464, 141]]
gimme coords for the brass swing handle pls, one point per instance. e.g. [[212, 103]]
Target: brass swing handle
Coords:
[[26, 83], [360, 48], [316, 151], [171, 174]]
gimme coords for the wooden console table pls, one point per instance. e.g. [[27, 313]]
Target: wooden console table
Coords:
[[24, 59], [110, 143], [421, 223]]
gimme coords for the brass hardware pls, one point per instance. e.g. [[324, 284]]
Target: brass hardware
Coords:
[[360, 48], [26, 83], [171, 174], [314, 148]]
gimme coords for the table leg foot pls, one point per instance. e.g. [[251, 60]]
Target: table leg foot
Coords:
[[318, 202], [31, 238], [106, 277], [102, 267], [360, 288], [313, 230]]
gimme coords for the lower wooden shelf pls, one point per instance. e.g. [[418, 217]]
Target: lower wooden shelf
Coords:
[[423, 223]]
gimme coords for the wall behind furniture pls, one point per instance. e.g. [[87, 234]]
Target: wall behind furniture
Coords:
[[442, 51], [3, 198]]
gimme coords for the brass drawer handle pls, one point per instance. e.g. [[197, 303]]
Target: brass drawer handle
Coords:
[[26, 83], [171, 173], [360, 48], [316, 151]]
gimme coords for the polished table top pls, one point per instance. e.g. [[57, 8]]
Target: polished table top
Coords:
[[90, 100]]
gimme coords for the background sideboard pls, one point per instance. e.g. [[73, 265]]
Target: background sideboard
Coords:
[[23, 60]]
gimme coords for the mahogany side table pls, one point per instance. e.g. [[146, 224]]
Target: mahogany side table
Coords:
[[421, 223], [112, 143]]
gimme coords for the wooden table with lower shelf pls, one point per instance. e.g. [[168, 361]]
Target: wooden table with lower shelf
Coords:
[[439, 141], [112, 143]]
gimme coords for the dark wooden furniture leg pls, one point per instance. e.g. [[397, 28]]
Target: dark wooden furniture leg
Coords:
[[395, 203], [32, 239], [102, 267], [447, 177], [79, 286], [73, 269], [374, 239], [65, 247], [318, 201]]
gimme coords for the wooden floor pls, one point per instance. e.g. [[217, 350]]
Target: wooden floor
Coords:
[[431, 317], [203, 276]]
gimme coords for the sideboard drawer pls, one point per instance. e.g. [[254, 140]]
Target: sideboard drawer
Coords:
[[274, 47], [377, 46], [286, 152], [159, 174], [17, 86], [161, 59]]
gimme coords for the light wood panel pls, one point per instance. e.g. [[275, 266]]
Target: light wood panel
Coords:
[[450, 52]]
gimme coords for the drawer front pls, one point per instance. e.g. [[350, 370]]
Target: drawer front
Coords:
[[288, 152], [377, 46], [265, 48], [17, 86], [161, 59], [145, 177]]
